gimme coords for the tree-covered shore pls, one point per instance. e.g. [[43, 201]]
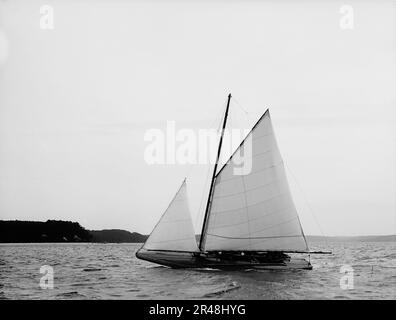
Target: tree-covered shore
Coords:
[[15, 231]]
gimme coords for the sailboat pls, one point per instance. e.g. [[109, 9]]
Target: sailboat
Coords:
[[250, 220]]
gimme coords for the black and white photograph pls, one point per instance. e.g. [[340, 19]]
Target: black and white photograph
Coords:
[[213, 151]]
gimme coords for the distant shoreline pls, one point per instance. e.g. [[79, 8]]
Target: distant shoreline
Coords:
[[69, 242], [58, 231]]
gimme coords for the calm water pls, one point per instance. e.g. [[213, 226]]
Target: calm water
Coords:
[[111, 271]]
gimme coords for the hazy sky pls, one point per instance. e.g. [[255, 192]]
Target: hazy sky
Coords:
[[76, 101]]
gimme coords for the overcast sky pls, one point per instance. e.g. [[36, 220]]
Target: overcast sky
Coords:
[[76, 101]]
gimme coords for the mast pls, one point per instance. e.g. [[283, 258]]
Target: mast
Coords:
[[205, 222]]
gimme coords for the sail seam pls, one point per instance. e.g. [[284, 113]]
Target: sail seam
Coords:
[[263, 136], [255, 219], [272, 226], [252, 189], [276, 225], [247, 208], [258, 171], [251, 205], [250, 238], [254, 155]]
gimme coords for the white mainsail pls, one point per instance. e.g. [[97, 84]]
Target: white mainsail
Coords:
[[175, 229], [254, 211]]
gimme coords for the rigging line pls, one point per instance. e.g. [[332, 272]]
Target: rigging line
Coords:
[[243, 141], [220, 159], [240, 106], [200, 214], [191, 167], [213, 180], [248, 114], [307, 203], [247, 209]]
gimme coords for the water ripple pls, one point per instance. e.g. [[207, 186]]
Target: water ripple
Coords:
[[111, 271]]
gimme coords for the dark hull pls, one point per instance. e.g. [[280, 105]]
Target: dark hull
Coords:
[[175, 259]]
